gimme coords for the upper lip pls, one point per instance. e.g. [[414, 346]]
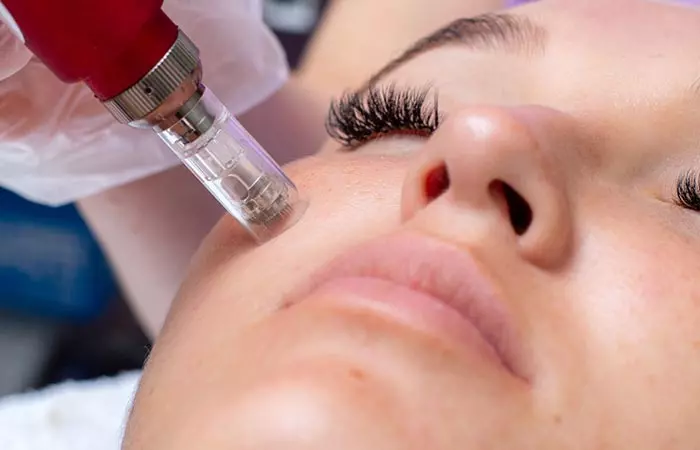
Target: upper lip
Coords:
[[440, 270]]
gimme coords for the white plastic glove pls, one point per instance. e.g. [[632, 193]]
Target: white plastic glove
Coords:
[[58, 144], [13, 54]]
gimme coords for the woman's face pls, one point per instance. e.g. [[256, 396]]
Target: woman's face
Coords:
[[523, 277]]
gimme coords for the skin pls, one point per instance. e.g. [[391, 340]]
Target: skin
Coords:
[[593, 133], [181, 211]]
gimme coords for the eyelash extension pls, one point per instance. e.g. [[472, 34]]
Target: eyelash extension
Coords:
[[688, 191], [360, 117]]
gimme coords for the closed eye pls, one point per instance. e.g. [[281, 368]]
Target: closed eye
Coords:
[[688, 191], [377, 112]]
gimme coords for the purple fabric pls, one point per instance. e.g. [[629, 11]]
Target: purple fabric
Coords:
[[511, 3]]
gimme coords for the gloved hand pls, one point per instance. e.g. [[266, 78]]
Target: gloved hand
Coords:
[[58, 144], [13, 54]]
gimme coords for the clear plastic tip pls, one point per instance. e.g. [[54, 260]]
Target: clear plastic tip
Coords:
[[234, 167]]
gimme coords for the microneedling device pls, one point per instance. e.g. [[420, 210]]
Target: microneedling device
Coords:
[[148, 74]]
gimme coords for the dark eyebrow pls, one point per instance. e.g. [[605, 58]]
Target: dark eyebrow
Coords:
[[504, 32]]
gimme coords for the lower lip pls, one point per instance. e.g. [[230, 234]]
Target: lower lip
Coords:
[[409, 307]]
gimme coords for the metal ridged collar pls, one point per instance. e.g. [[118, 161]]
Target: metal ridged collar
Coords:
[[151, 91]]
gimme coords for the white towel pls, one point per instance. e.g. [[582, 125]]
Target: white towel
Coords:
[[73, 415]]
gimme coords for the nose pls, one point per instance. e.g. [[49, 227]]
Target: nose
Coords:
[[498, 170]]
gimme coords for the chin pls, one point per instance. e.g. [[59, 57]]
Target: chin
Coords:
[[313, 405]]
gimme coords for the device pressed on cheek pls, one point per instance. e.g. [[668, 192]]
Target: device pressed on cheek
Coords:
[[148, 74]]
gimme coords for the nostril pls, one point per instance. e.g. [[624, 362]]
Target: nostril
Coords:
[[436, 182], [519, 210]]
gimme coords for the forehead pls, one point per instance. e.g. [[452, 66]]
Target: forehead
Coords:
[[628, 51], [624, 50], [648, 25], [631, 68]]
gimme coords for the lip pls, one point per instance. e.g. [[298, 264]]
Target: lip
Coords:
[[433, 285]]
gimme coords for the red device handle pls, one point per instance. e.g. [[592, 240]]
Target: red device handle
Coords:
[[108, 44]]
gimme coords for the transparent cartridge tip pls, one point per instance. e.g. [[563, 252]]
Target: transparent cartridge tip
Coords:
[[232, 166], [172, 100]]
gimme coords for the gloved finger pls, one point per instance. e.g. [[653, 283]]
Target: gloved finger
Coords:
[[13, 54], [35, 101]]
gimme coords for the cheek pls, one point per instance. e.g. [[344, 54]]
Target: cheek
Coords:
[[351, 198], [644, 273], [346, 184], [638, 302]]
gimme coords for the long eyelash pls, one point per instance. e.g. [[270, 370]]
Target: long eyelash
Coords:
[[379, 111], [688, 191]]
